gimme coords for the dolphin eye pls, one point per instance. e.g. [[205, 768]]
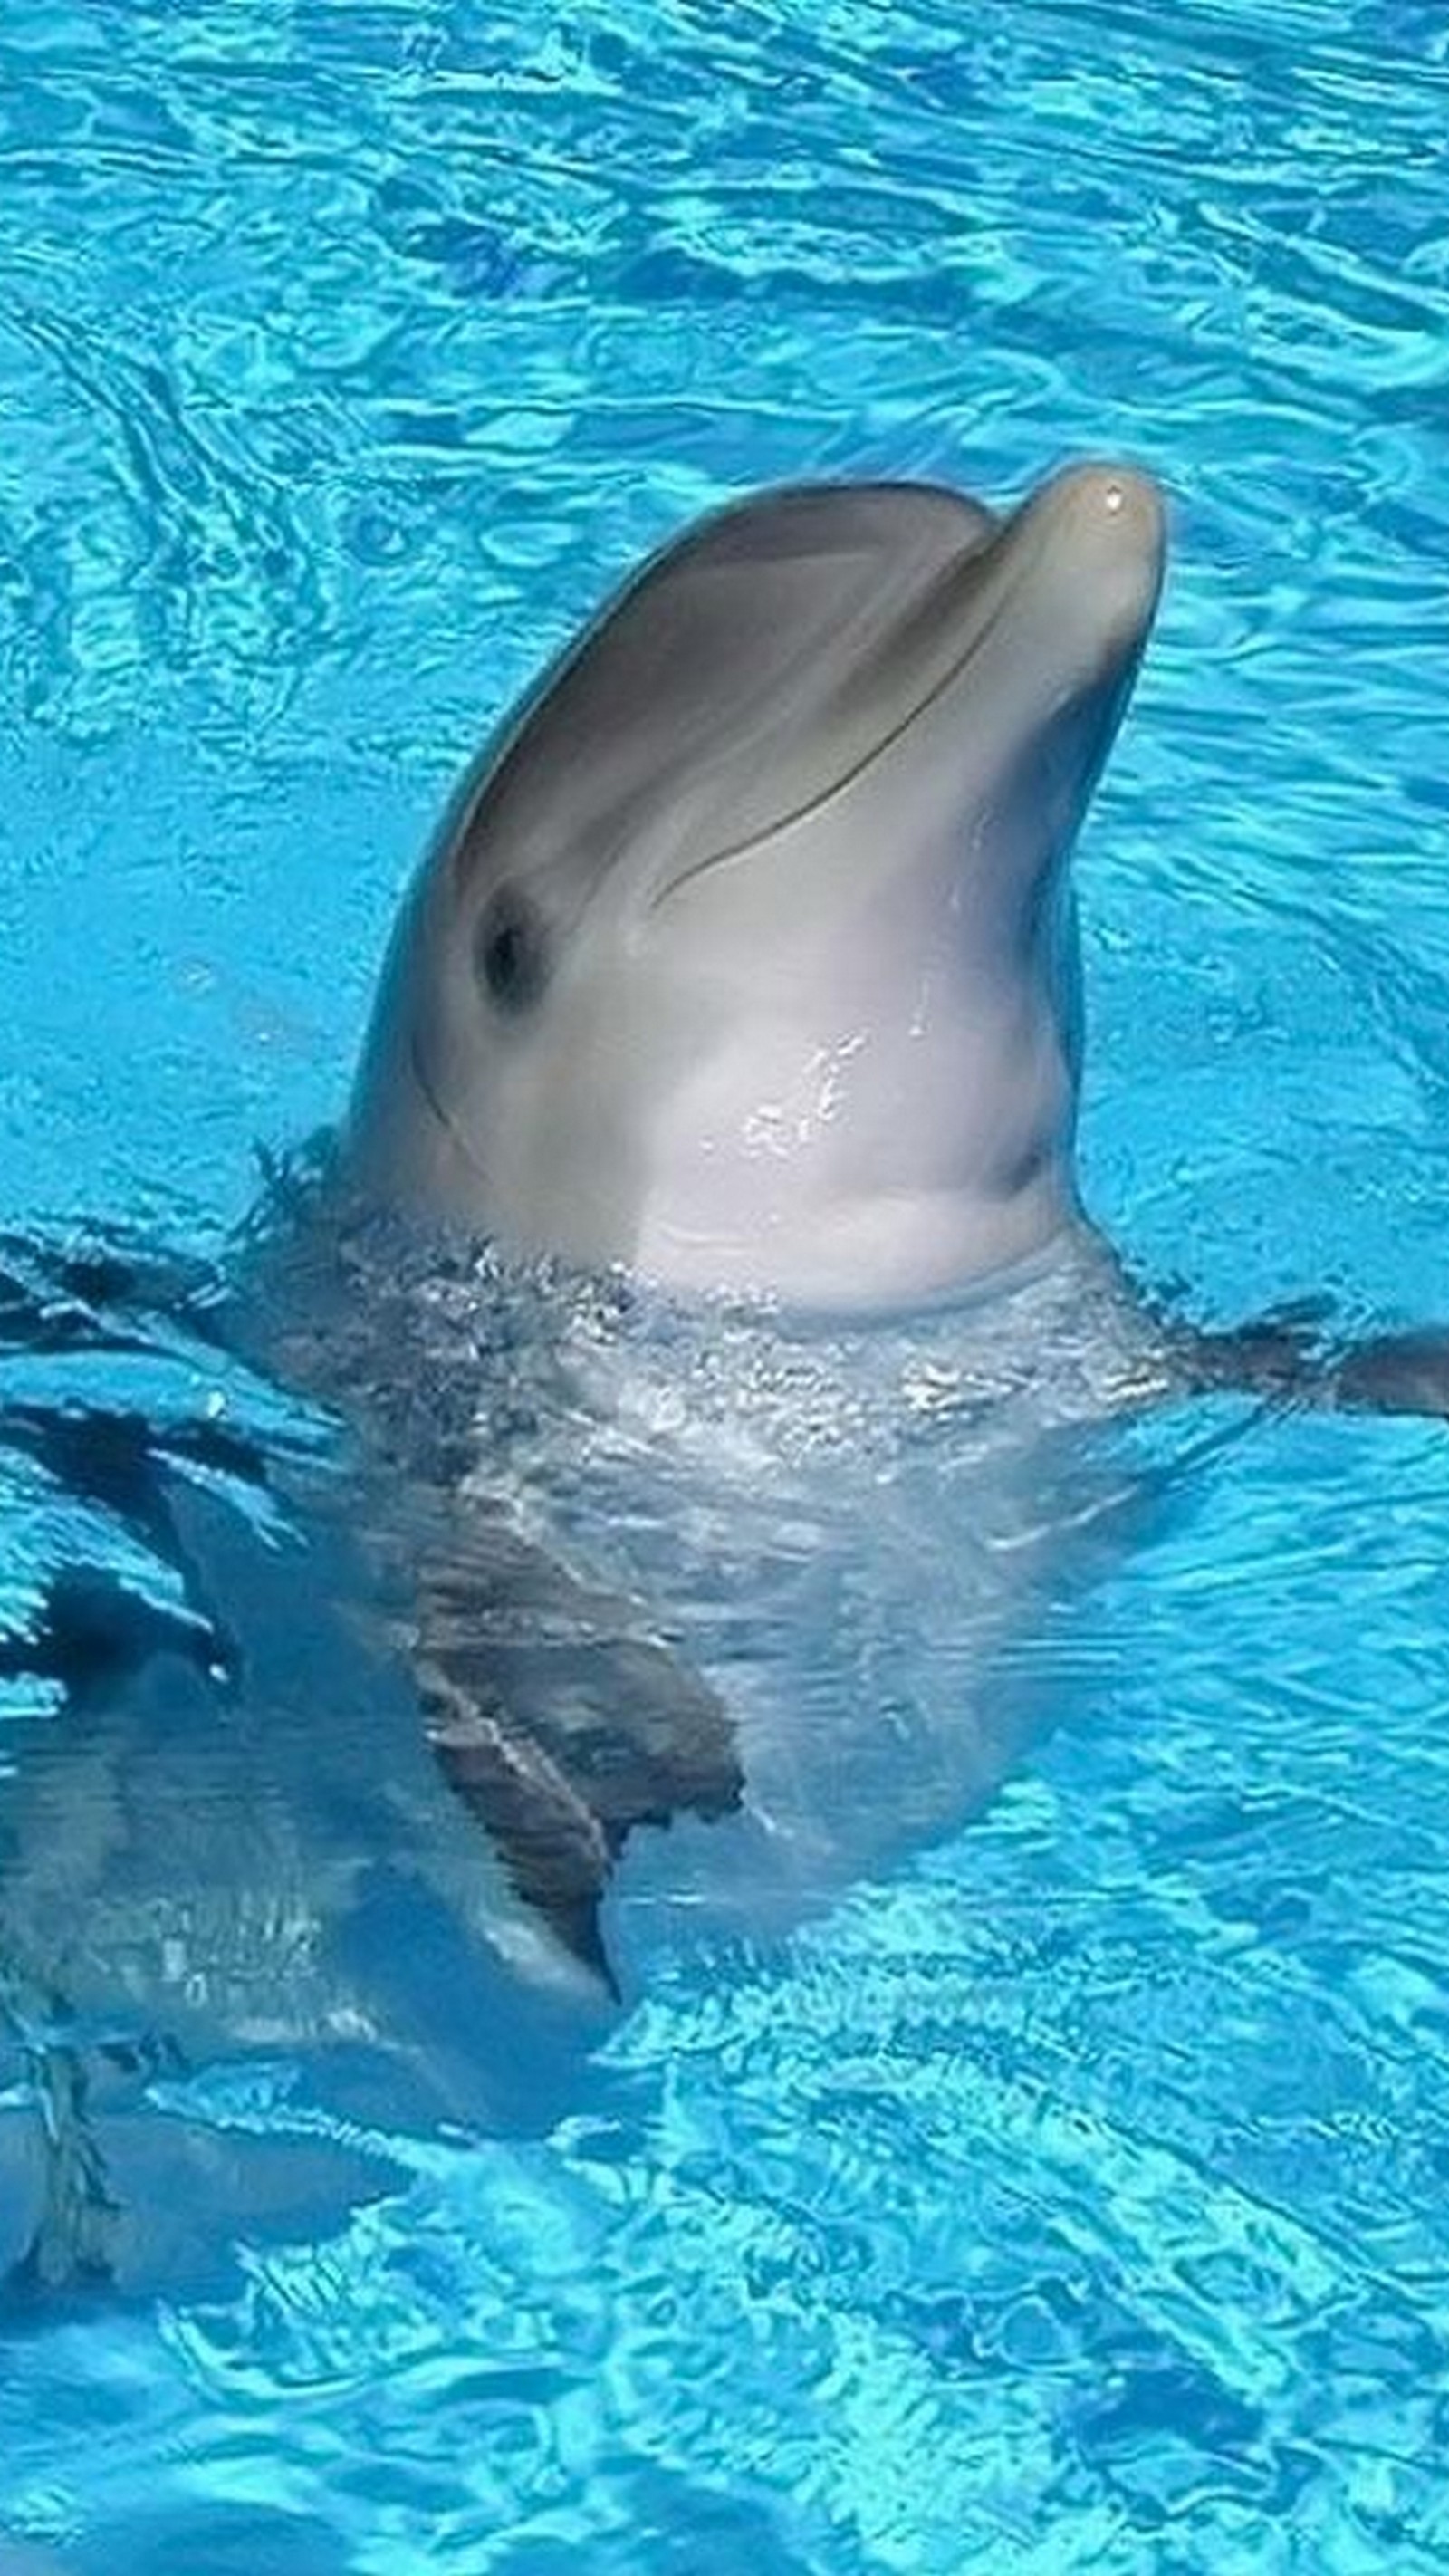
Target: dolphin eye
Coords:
[[509, 951]]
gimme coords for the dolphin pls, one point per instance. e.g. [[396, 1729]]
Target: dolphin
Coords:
[[736, 1013], [745, 961], [747, 957]]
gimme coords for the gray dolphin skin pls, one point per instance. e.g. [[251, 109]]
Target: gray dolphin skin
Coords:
[[746, 958], [746, 961]]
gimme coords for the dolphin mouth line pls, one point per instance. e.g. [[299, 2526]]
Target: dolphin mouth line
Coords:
[[450, 1128], [848, 777]]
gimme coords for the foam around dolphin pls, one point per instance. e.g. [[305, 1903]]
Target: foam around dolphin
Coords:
[[746, 956]]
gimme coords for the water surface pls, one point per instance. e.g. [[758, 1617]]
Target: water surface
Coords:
[[1071, 2192]]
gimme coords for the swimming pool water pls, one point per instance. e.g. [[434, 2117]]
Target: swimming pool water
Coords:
[[1073, 2193]]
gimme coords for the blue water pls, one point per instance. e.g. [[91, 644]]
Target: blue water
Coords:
[[1073, 2193]]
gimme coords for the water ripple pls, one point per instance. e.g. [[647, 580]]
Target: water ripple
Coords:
[[1073, 2195]]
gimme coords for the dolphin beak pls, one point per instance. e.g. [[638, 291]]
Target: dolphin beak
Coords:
[[1094, 540], [1118, 500], [986, 713]]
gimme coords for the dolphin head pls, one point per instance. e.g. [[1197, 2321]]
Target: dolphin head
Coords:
[[747, 957]]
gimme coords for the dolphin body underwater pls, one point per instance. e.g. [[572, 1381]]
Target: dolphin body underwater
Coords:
[[732, 1376]]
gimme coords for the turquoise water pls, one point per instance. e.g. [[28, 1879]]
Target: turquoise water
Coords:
[[1071, 2192]]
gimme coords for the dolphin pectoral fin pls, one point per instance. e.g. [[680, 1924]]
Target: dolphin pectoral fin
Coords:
[[1289, 1358], [556, 1853], [563, 1741], [1276, 1356], [1392, 1373]]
